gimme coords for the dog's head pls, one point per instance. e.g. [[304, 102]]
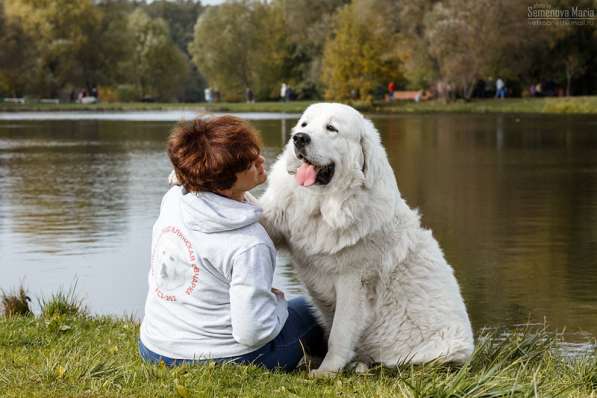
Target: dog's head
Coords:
[[333, 145]]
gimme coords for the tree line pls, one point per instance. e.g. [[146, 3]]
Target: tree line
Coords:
[[333, 49]]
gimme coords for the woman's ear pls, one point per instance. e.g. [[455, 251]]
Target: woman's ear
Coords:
[[373, 153]]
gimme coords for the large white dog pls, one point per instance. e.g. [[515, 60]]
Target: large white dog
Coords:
[[380, 281]]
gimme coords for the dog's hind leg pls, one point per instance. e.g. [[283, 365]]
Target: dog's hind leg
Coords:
[[441, 350]]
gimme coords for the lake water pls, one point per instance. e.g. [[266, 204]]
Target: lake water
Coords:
[[512, 200]]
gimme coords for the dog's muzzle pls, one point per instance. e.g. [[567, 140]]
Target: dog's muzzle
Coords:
[[301, 140]]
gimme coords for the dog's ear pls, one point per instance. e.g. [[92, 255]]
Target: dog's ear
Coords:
[[373, 153]]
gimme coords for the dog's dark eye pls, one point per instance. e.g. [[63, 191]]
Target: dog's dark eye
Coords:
[[329, 127], [304, 124]]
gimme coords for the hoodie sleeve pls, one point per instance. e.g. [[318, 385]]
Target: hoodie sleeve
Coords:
[[257, 314]]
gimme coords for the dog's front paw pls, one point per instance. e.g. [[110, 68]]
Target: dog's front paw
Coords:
[[361, 368], [322, 373]]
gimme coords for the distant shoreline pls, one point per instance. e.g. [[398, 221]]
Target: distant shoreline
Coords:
[[552, 105]]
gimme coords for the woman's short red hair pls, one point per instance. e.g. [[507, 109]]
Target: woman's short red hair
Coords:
[[207, 153]]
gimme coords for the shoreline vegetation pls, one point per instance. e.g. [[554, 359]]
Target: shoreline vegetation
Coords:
[[64, 351], [552, 105]]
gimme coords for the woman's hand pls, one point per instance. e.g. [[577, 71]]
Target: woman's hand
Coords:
[[279, 294]]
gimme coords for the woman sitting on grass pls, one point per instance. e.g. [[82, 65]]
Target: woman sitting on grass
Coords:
[[212, 264]]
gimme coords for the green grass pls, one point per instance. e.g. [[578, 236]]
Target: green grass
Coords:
[[571, 105], [76, 356]]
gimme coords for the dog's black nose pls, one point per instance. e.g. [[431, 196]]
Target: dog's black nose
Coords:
[[301, 139]]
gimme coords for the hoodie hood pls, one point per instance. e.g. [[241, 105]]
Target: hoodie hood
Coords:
[[208, 212]]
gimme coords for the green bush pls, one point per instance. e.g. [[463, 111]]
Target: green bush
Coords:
[[570, 105], [62, 304], [127, 93]]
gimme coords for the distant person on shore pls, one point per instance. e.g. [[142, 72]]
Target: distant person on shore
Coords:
[[500, 88], [249, 97], [284, 92], [212, 264], [207, 94], [391, 89]]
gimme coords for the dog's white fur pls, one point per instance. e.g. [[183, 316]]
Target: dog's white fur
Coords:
[[384, 291]]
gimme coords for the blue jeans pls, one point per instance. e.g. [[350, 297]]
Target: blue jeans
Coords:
[[301, 331]]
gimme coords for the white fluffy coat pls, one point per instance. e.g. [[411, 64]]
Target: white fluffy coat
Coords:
[[380, 281]]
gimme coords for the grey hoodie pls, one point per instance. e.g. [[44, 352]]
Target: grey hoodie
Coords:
[[210, 279]]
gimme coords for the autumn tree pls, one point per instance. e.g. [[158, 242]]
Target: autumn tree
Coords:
[[571, 55], [420, 68], [362, 55], [470, 40], [109, 60], [68, 44], [239, 45], [61, 29], [342, 47], [308, 25], [181, 16], [566, 53], [16, 57], [158, 67]]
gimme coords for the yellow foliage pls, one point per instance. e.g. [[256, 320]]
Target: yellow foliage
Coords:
[[62, 36], [5, 83], [55, 19], [108, 94], [362, 55]]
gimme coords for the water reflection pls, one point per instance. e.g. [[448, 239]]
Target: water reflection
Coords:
[[512, 199], [65, 194]]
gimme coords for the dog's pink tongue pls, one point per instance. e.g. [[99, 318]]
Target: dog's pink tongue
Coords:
[[306, 174]]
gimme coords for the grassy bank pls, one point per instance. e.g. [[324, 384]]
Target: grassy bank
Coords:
[[572, 105], [79, 355], [83, 356]]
